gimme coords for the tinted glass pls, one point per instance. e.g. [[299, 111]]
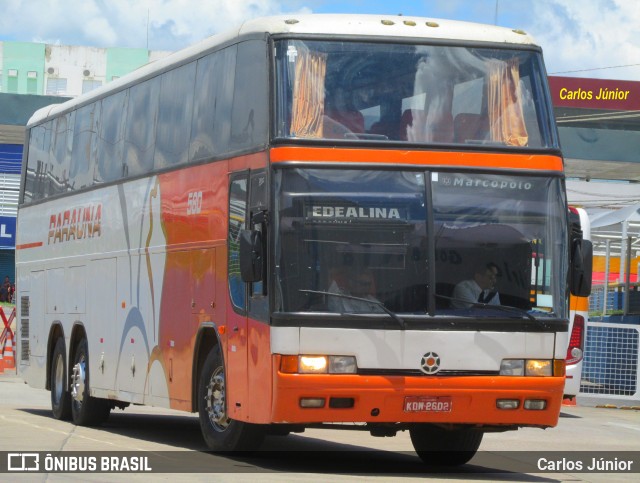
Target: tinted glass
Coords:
[[249, 119], [419, 94], [174, 115], [213, 96], [516, 225], [237, 221], [85, 140], [60, 155], [348, 233], [355, 233], [140, 130], [111, 141], [38, 162]]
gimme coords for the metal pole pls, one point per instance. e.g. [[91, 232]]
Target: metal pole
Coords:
[[623, 250], [606, 277], [627, 280]]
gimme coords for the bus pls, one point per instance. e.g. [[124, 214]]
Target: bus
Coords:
[[580, 227], [268, 229]]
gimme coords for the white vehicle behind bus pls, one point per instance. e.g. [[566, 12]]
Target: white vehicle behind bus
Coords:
[[579, 314]]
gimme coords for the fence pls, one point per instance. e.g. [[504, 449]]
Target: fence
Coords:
[[614, 298], [610, 366]]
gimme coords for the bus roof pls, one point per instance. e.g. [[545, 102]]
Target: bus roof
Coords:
[[384, 26], [339, 25]]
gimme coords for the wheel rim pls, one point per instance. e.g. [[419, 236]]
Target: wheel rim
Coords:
[[215, 400], [78, 380], [58, 379]]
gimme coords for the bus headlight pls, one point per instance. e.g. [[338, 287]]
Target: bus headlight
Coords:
[[313, 364], [342, 365], [308, 364], [538, 368], [512, 367], [528, 367]]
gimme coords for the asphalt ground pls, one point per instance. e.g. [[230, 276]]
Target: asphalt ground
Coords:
[[175, 451]]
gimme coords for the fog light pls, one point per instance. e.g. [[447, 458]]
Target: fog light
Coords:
[[508, 403], [311, 402], [535, 404]]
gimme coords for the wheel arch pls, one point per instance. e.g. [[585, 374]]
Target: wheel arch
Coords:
[[208, 338]]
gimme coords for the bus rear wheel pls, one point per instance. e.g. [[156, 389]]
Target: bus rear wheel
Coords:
[[442, 447], [60, 397], [219, 431], [85, 409]]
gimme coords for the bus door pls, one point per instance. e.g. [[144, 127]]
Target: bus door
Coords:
[[248, 312]]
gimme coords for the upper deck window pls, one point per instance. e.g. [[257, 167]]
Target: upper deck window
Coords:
[[418, 94]]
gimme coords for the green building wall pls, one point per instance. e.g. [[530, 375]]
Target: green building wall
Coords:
[[24, 57], [121, 61]]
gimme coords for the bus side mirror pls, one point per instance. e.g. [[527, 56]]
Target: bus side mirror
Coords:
[[251, 255], [581, 266]]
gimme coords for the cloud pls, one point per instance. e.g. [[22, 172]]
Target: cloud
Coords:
[[588, 35], [167, 24], [575, 34]]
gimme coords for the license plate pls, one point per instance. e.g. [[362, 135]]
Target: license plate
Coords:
[[428, 404]]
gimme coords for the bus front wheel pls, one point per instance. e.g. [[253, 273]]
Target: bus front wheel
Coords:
[[441, 447], [219, 431], [85, 409]]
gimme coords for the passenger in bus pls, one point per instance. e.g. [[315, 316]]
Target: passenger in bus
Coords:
[[341, 115], [359, 283], [479, 289]]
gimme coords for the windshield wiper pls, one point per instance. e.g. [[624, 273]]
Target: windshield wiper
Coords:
[[504, 308], [391, 314]]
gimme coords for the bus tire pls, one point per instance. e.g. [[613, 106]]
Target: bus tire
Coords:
[[442, 447], [85, 409], [58, 382], [221, 433]]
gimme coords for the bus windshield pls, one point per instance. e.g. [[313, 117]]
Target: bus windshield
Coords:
[[402, 242], [419, 94]]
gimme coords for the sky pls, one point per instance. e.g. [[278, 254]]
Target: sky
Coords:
[[580, 38]]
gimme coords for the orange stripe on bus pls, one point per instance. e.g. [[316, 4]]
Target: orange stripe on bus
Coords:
[[28, 245], [429, 158]]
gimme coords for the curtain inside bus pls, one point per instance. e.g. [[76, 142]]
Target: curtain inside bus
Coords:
[[506, 118], [308, 93]]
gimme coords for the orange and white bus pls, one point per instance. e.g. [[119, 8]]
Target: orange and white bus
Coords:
[[268, 228]]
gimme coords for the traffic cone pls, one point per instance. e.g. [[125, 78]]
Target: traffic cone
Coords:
[[9, 358], [1, 361]]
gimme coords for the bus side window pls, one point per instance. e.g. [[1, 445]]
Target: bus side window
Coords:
[[237, 222], [258, 302]]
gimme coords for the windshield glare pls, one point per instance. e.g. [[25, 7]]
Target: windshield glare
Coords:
[[406, 93], [342, 250]]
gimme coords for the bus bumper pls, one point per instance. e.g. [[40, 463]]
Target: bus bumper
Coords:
[[401, 399]]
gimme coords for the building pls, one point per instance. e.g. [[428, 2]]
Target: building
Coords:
[[64, 70], [599, 126]]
